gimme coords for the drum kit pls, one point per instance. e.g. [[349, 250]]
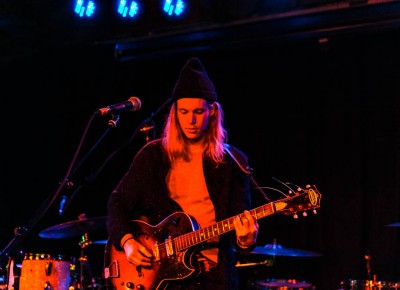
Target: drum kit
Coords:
[[372, 283], [273, 250], [58, 272], [39, 271]]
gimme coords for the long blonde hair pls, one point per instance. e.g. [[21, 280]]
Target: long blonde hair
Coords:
[[176, 145]]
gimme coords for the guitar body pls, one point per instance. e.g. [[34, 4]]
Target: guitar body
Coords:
[[120, 274]]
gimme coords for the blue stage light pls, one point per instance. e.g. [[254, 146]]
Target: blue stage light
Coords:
[[128, 8], [173, 7], [85, 8]]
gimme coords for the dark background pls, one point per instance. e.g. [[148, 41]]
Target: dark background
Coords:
[[312, 99]]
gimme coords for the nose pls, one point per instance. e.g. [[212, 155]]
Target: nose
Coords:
[[193, 119]]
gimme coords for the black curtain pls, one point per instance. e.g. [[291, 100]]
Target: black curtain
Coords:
[[304, 112]]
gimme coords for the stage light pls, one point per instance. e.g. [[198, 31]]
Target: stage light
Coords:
[[85, 8], [128, 8], [173, 7]]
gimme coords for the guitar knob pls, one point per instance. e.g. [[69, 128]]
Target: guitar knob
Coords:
[[295, 216], [314, 211], [129, 285], [304, 213], [139, 286], [47, 285]]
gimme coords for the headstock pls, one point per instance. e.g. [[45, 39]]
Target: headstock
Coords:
[[300, 201]]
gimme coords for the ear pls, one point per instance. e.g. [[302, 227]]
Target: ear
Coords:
[[212, 110]]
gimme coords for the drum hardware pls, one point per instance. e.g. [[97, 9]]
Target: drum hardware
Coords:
[[276, 249], [12, 276], [86, 276], [81, 227], [367, 258], [267, 262], [353, 284], [371, 283]]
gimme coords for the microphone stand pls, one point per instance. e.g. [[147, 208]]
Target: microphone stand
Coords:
[[20, 233], [112, 123], [144, 126]]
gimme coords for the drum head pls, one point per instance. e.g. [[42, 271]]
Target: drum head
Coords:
[[283, 284]]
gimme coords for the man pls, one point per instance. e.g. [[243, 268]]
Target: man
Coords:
[[182, 193]]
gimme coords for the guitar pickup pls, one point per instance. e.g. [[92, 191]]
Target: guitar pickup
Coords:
[[169, 247], [156, 252]]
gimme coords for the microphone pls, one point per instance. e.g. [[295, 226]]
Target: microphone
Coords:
[[62, 204], [132, 104]]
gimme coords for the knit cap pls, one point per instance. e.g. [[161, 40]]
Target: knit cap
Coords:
[[193, 82]]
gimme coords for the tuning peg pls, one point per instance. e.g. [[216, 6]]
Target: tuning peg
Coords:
[[304, 213], [314, 211], [295, 216]]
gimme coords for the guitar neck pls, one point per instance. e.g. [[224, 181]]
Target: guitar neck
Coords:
[[302, 200], [196, 237]]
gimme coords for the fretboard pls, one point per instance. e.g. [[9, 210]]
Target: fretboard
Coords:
[[196, 237]]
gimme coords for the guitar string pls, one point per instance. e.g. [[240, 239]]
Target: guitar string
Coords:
[[202, 235], [190, 239]]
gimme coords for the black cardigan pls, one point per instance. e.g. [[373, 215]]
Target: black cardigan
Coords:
[[142, 194]]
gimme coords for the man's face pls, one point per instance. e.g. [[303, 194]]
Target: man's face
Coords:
[[194, 116]]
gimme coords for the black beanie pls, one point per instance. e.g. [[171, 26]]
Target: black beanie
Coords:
[[194, 82]]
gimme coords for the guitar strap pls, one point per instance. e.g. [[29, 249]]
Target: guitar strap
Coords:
[[244, 167]]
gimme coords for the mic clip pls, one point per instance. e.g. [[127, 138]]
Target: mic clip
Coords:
[[146, 128], [112, 123]]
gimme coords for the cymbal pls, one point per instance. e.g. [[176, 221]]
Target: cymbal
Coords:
[[394, 225], [275, 249], [75, 228]]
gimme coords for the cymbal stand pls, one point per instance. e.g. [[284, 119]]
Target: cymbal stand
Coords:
[[367, 258], [85, 275]]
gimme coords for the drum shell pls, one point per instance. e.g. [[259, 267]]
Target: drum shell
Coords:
[[43, 270]]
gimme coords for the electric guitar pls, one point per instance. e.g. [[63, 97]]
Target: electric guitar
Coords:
[[174, 240]]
